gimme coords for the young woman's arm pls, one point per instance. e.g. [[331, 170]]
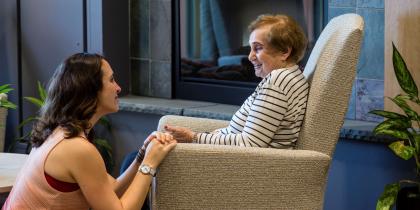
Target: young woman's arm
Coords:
[[121, 184], [123, 181], [88, 170]]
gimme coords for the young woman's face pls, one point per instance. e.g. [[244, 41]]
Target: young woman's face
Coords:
[[262, 56], [108, 96]]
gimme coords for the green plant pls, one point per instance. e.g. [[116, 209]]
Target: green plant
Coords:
[[401, 127], [100, 143], [3, 97], [4, 105]]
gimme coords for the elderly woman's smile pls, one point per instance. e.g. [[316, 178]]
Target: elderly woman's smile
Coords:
[[264, 58]]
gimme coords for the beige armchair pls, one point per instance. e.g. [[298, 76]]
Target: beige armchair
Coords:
[[196, 176]]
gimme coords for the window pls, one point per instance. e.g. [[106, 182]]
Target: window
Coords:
[[211, 44]]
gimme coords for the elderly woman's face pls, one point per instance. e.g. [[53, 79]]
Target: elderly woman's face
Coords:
[[264, 58]]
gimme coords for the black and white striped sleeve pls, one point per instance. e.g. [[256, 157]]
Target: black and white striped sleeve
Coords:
[[260, 123]]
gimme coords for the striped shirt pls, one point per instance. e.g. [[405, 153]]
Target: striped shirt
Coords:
[[270, 117]]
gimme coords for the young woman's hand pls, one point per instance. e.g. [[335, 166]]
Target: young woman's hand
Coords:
[[163, 138], [181, 134], [157, 150]]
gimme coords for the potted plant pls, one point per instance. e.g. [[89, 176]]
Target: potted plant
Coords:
[[4, 105], [101, 144], [405, 129]]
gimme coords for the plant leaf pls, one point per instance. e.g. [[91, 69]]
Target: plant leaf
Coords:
[[5, 88], [401, 150], [26, 121], [39, 103], [400, 101], [417, 143], [405, 80], [105, 149], [42, 92], [415, 100], [4, 102], [387, 114], [7, 104], [24, 138], [393, 124], [105, 122], [388, 197], [102, 143], [395, 133]]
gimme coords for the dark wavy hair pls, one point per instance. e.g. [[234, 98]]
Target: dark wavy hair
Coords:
[[72, 98], [284, 32]]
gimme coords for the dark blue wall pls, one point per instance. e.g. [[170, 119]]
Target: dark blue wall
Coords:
[[359, 172]]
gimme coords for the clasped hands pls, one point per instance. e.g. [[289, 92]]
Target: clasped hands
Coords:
[[165, 141], [173, 133], [156, 146]]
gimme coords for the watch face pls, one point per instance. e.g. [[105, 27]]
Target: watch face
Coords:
[[145, 169]]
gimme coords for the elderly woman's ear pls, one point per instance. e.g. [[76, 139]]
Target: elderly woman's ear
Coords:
[[285, 55]]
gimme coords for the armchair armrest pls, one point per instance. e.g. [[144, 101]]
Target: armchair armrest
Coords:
[[195, 176], [194, 123]]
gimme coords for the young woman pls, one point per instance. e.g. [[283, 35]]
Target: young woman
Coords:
[[64, 169]]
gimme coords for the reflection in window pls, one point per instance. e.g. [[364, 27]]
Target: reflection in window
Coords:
[[214, 36]]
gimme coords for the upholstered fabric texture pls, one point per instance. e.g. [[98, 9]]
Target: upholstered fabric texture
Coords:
[[229, 177], [197, 176], [332, 63]]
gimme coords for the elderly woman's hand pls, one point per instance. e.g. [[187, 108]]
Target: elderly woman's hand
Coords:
[[181, 134]]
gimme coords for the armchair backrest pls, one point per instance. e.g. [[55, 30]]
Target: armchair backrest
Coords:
[[331, 69]]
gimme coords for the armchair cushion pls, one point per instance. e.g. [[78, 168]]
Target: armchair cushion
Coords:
[[194, 123], [199, 176], [220, 177]]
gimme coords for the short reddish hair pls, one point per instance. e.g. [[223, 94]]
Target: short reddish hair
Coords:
[[284, 33]]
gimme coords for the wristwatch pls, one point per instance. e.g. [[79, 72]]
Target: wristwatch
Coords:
[[147, 170]]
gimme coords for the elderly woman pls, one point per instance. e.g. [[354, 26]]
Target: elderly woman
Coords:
[[272, 115]]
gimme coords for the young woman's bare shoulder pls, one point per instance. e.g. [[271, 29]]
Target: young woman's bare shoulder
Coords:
[[72, 156], [79, 149]]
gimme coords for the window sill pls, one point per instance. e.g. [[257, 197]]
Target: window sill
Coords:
[[351, 130]]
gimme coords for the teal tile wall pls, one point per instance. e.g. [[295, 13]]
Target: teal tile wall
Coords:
[[342, 3], [368, 86], [336, 11], [150, 47], [371, 62], [139, 28], [160, 30], [379, 4], [140, 77], [369, 96], [161, 80]]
